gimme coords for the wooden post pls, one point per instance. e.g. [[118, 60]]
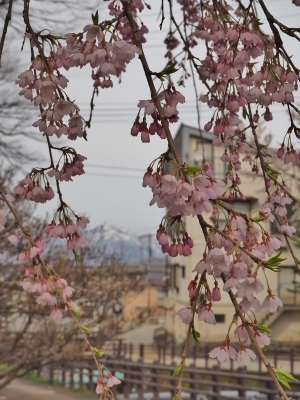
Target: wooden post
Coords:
[[71, 378], [159, 353], [216, 382], [193, 384], [130, 351], [63, 376], [275, 350], [164, 354], [142, 351], [155, 381], [140, 389], [91, 383], [127, 385], [241, 381], [205, 356], [80, 378], [292, 360], [270, 385]]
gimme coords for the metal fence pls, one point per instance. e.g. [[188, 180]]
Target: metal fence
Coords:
[[155, 381], [279, 354]]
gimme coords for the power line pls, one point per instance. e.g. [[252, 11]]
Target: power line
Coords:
[[114, 176], [115, 167]]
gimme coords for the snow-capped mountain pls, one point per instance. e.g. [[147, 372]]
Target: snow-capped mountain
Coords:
[[131, 248]]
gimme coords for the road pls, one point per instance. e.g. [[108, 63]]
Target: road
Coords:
[[22, 389]]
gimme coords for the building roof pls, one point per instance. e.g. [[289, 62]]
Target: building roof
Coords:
[[182, 139]]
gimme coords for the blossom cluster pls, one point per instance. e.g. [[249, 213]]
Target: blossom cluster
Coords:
[[63, 226], [180, 197], [47, 291], [123, 26], [72, 166], [169, 100], [35, 187], [181, 245]]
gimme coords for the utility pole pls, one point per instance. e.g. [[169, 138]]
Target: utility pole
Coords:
[[148, 266]]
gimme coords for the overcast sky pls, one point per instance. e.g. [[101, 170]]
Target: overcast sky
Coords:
[[111, 190]]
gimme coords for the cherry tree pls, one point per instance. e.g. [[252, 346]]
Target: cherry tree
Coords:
[[244, 72]]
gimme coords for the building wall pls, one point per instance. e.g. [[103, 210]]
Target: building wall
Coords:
[[140, 304], [253, 188]]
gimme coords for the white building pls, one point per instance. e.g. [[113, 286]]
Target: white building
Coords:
[[284, 323]]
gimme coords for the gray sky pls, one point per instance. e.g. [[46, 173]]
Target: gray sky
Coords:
[[116, 195]]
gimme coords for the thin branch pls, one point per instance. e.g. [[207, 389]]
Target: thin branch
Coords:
[[263, 167], [164, 121], [269, 367], [162, 9], [278, 41], [6, 23]]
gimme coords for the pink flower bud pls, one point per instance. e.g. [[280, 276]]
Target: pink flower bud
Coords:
[[208, 126], [280, 152], [216, 294], [135, 129], [256, 117]]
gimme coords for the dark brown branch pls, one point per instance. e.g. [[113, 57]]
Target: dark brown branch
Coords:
[[278, 41], [153, 92], [204, 225], [6, 23]]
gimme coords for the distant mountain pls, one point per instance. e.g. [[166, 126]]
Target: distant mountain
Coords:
[[132, 248]]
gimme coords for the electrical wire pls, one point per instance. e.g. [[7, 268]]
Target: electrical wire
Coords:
[[114, 167], [114, 176]]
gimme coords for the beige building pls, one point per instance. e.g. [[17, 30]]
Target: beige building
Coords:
[[146, 298], [285, 323]]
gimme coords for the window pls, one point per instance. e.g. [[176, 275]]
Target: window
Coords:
[[161, 294], [241, 206], [220, 318]]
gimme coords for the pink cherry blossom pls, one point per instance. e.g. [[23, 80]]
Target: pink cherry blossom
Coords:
[[224, 353], [14, 239], [186, 315], [271, 303], [244, 356], [99, 387], [205, 314], [112, 380]]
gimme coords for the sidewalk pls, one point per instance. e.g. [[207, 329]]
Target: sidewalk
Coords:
[[23, 389]]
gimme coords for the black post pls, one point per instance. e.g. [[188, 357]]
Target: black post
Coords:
[[216, 382], [91, 383], [127, 385], [130, 351], [155, 381], [142, 348], [270, 385], [241, 381], [80, 378], [292, 360], [63, 376], [193, 384], [71, 378]]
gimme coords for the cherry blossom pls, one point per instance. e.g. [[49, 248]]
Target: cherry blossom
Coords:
[[112, 380], [224, 353], [244, 356], [185, 314], [271, 303]]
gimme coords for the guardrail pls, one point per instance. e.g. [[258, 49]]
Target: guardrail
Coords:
[[142, 380], [280, 354]]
